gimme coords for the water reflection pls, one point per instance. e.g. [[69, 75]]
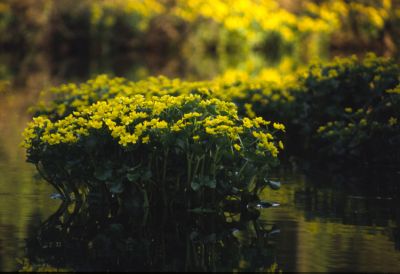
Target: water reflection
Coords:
[[93, 238], [24, 203], [328, 225], [316, 229]]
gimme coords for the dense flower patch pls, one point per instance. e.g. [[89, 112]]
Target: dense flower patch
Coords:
[[176, 149], [247, 92]]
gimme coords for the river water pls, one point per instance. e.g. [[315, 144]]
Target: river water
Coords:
[[324, 223]]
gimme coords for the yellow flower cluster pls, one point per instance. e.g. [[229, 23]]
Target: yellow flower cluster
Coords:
[[136, 119], [236, 87], [250, 17], [106, 11]]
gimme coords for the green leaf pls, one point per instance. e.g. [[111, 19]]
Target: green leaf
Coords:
[[195, 185], [181, 144], [204, 181], [211, 183], [103, 174], [133, 177], [117, 187], [147, 175], [90, 144]]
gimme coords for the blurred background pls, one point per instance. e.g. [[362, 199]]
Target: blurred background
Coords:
[[45, 40]]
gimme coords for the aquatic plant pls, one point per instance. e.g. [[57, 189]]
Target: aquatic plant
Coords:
[[307, 102], [346, 103], [167, 150], [369, 135]]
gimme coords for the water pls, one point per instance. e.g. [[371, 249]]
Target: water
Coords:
[[331, 228], [24, 200], [322, 224]]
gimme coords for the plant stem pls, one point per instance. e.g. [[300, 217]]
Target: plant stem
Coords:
[[164, 174], [189, 178]]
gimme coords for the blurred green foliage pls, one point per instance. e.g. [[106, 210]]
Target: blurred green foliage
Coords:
[[104, 26]]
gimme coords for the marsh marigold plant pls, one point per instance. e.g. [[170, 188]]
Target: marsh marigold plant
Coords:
[[186, 149]]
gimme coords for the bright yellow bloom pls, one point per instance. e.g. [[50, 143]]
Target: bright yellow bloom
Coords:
[[237, 147], [132, 120], [279, 126], [247, 123], [145, 139], [95, 124]]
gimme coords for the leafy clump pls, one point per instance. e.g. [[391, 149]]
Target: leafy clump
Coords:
[[348, 110], [369, 134], [182, 149]]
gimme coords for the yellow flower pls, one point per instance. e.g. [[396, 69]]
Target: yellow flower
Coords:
[[95, 124], [392, 121], [348, 110], [249, 110], [54, 139], [210, 131], [161, 124], [363, 122], [247, 122], [145, 139], [279, 126], [82, 131], [237, 147], [175, 128], [128, 138], [191, 115], [111, 124], [321, 129]]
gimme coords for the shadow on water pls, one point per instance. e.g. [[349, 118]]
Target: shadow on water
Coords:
[[93, 238]]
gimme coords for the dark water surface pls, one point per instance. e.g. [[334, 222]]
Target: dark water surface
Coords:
[[323, 224]]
